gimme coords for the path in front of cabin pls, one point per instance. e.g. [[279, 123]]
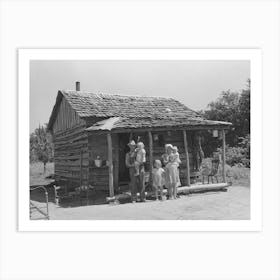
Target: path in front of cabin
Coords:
[[231, 205]]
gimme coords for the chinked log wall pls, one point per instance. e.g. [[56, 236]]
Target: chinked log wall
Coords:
[[98, 147], [71, 155], [70, 146]]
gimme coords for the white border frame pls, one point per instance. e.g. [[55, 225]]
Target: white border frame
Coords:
[[254, 55]]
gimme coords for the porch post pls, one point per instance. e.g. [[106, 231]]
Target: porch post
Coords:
[[224, 155], [187, 158], [81, 167], [110, 161], [151, 156]]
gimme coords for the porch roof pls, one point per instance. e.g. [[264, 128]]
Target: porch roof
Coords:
[[117, 124]]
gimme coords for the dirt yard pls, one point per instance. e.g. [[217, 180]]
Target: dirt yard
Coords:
[[231, 205]]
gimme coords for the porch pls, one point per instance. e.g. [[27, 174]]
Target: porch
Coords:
[[188, 173]]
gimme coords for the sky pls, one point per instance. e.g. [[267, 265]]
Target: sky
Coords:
[[194, 83]]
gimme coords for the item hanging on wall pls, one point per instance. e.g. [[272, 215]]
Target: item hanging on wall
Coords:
[[98, 162], [215, 133]]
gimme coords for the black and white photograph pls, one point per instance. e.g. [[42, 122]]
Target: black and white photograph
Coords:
[[140, 140]]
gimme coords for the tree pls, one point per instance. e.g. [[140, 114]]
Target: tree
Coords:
[[233, 107], [244, 108], [41, 146]]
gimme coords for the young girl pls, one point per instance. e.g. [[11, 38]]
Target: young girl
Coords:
[[158, 179], [140, 157]]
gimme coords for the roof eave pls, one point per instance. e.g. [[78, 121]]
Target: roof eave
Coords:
[[163, 128]]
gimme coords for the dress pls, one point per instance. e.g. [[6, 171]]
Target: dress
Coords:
[[172, 174], [158, 178]]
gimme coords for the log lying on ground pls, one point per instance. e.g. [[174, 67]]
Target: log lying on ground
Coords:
[[181, 190]]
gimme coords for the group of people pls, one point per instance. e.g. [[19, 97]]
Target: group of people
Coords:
[[165, 171]]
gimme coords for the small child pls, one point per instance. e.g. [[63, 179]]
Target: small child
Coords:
[[175, 157], [140, 157], [158, 178]]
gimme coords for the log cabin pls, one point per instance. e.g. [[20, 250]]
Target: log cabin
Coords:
[[91, 131]]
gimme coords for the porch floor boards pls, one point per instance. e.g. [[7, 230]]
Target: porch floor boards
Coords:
[[196, 188]]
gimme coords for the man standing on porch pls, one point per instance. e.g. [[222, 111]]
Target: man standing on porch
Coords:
[[140, 183], [137, 183], [129, 162]]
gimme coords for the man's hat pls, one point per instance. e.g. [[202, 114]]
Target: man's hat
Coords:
[[131, 143]]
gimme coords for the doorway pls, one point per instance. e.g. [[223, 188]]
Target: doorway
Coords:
[[123, 149]]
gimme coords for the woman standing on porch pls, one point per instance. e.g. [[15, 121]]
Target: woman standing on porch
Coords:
[[172, 180]]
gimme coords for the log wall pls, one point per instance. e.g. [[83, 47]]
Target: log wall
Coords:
[[70, 147], [98, 146]]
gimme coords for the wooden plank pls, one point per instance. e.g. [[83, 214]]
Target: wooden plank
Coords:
[[110, 161], [70, 146], [66, 141], [151, 156], [187, 158], [69, 168], [79, 140], [181, 190], [224, 155], [66, 117], [80, 128], [73, 157]]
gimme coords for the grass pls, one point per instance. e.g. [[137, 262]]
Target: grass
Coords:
[[36, 172], [239, 176]]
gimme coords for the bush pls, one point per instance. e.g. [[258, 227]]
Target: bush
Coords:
[[237, 156]]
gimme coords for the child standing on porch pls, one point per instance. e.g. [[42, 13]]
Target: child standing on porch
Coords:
[[140, 157], [158, 179]]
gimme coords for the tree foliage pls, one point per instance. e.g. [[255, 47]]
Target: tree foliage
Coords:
[[232, 107], [41, 145]]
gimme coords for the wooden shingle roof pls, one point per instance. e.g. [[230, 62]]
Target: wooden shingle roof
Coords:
[[130, 111], [115, 105]]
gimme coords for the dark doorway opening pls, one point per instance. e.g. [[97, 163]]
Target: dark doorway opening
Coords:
[[123, 149]]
